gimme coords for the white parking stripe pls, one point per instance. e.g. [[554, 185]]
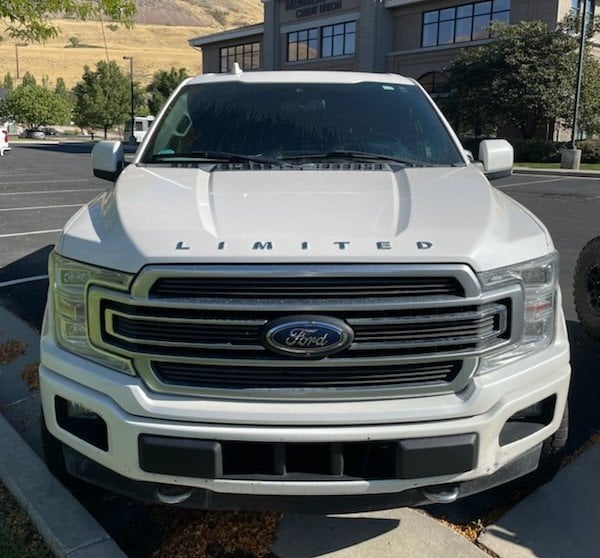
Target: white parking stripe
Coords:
[[51, 192], [30, 232], [545, 181], [42, 207], [23, 280], [46, 181]]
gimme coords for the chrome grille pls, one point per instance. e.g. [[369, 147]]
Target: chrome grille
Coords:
[[185, 335], [395, 333]]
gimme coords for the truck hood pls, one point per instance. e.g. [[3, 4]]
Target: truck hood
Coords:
[[173, 215]]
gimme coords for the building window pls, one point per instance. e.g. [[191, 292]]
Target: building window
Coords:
[[590, 7], [303, 45], [247, 56], [335, 40], [469, 22], [433, 82], [338, 40]]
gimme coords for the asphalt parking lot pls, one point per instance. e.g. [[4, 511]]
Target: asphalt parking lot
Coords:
[[41, 186]]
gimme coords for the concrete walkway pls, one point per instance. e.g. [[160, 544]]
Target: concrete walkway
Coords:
[[558, 520], [558, 172]]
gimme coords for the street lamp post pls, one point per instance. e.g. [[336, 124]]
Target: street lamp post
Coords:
[[571, 158], [582, 14], [132, 136], [17, 45]]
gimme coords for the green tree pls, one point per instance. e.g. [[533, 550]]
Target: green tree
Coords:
[[524, 78], [8, 82], [74, 41], [589, 113], [31, 19], [162, 85], [28, 79], [60, 88], [34, 106], [103, 97]]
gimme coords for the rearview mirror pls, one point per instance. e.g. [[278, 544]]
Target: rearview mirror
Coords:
[[108, 160], [497, 158]]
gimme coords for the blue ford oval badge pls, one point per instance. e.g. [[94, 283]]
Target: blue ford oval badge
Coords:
[[307, 335]]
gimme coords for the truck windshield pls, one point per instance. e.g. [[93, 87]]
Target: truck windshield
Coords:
[[302, 122]]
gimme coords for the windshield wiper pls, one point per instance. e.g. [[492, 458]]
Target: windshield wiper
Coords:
[[358, 155], [214, 156]]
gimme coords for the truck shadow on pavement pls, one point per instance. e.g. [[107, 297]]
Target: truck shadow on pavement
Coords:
[[26, 299]]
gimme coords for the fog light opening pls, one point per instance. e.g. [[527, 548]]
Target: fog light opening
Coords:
[[528, 421], [81, 422]]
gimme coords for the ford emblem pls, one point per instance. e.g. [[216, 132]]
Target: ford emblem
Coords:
[[307, 336]]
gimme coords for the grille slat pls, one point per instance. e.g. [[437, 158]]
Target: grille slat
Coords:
[[303, 287], [427, 333], [284, 378]]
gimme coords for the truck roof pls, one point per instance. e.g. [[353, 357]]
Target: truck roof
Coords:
[[301, 77]]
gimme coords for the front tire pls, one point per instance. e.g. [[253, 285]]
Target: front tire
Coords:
[[586, 288], [553, 450]]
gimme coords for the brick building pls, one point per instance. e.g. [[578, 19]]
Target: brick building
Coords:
[[416, 38]]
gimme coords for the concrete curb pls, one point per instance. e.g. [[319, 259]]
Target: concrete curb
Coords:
[[66, 526], [558, 172]]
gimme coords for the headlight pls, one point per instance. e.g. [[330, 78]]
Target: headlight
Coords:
[[69, 281], [539, 279]]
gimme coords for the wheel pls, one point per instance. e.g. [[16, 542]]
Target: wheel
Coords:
[[586, 288], [553, 451], [53, 453]]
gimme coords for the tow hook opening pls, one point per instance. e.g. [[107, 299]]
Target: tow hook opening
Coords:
[[445, 495]]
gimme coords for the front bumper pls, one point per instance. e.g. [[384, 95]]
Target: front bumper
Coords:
[[131, 411]]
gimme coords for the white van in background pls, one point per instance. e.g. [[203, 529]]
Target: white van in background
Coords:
[[3, 141], [141, 126]]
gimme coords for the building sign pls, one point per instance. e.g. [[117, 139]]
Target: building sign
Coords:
[[306, 8]]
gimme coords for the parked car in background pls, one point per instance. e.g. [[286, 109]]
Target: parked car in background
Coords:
[[50, 131], [34, 133], [4, 147]]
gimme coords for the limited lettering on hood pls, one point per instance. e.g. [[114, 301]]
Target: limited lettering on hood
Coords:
[[341, 244]]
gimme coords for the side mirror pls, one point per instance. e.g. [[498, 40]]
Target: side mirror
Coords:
[[497, 158], [108, 160]]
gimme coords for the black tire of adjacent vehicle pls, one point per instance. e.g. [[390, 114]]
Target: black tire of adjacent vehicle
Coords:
[[53, 453], [553, 451], [587, 298]]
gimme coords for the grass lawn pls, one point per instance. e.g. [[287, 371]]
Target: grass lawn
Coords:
[[584, 166], [18, 537]]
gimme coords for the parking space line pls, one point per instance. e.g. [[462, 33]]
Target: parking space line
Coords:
[[23, 280], [545, 181], [30, 233], [43, 207], [51, 192], [47, 181]]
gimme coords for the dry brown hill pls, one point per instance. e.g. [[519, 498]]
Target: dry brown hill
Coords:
[[157, 41]]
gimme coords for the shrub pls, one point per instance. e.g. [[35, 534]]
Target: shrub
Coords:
[[590, 150], [526, 151], [537, 151]]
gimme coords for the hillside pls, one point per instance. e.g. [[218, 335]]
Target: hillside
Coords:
[[157, 41]]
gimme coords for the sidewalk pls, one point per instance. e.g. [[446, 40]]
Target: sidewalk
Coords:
[[558, 520], [558, 172], [66, 526]]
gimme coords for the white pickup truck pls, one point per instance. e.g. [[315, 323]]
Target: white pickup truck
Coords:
[[303, 293]]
